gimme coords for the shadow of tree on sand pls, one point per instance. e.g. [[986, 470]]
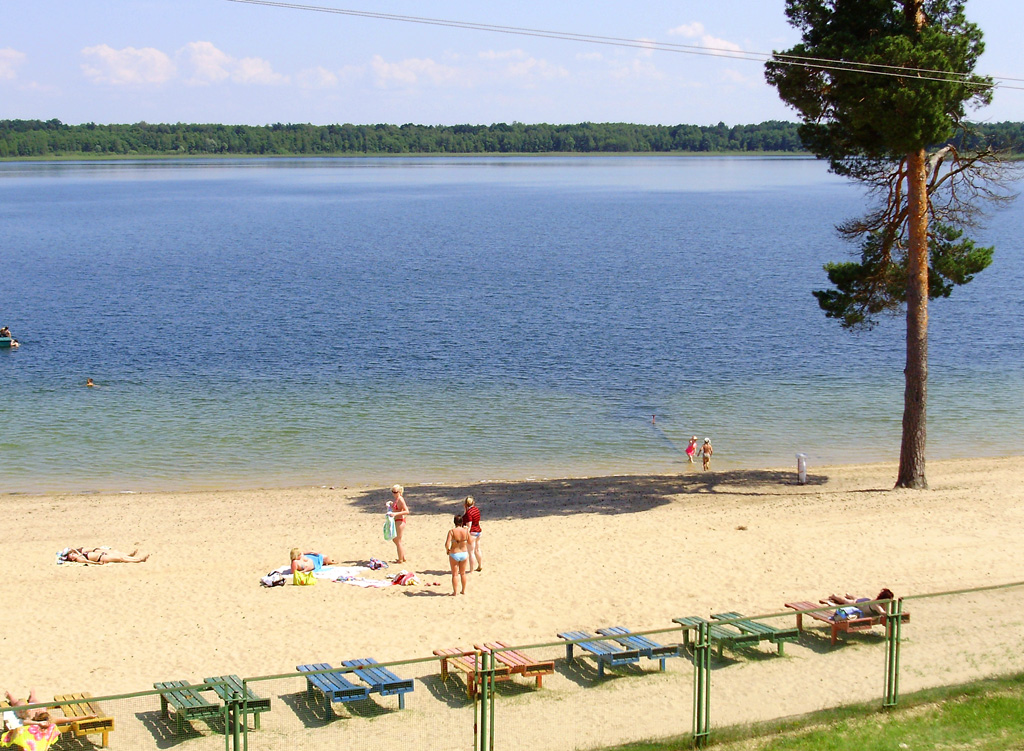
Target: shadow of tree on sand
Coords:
[[602, 495]]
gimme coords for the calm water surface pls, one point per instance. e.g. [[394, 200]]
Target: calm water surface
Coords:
[[269, 323]]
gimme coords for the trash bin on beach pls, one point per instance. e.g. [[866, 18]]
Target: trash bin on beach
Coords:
[[801, 468]]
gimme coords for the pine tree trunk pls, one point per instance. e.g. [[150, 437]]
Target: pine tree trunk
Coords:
[[915, 395]]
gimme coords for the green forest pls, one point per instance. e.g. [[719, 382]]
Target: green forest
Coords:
[[52, 138]]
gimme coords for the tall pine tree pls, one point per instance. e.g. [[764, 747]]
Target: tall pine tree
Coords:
[[877, 84]]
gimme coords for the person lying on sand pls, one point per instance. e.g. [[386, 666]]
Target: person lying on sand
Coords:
[[848, 599], [99, 556], [309, 561]]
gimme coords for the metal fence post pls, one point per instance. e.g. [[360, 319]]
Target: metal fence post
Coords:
[[491, 675], [484, 692], [893, 633], [701, 684]]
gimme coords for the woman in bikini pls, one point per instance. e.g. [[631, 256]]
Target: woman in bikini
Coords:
[[456, 545], [309, 561], [399, 509], [99, 556]]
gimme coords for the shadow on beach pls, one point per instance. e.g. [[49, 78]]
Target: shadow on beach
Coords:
[[626, 494]]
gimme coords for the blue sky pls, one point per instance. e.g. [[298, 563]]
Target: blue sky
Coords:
[[124, 61]]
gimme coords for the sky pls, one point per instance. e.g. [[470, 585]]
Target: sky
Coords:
[[219, 61]]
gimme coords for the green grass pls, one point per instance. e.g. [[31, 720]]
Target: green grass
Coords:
[[982, 716]]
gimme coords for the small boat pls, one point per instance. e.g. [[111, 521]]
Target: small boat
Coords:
[[5, 341]]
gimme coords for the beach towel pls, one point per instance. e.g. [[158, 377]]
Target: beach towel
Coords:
[[377, 563], [389, 528], [334, 573], [31, 737], [358, 581]]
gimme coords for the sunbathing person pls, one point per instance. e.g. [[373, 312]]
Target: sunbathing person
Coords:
[[877, 608], [38, 733], [309, 561], [99, 556], [38, 715]]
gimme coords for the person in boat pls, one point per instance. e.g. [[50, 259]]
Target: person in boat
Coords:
[[5, 331]]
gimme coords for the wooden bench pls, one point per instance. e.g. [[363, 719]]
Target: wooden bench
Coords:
[[721, 636], [604, 652], [381, 680], [188, 703], [519, 662], [229, 688], [826, 614], [646, 647], [777, 636], [465, 660], [332, 686], [82, 705]]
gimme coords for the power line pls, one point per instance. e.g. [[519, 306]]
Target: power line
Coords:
[[922, 74]]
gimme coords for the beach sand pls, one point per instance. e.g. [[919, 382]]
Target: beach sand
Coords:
[[558, 555]]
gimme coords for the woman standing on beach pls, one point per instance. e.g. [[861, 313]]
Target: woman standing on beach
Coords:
[[456, 545], [400, 511], [471, 516]]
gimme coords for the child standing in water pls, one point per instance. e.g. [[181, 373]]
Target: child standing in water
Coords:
[[691, 449], [707, 451]]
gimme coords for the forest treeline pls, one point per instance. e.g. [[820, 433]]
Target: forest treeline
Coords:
[[52, 138]]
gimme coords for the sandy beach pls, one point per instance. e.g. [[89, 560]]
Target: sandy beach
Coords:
[[558, 555]]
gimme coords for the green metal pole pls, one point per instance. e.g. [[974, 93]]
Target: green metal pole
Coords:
[[481, 661], [236, 705], [490, 693], [476, 721], [701, 685], [893, 637], [245, 726]]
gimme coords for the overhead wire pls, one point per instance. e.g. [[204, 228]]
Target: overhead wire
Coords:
[[816, 63]]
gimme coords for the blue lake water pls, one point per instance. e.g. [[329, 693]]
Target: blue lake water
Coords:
[[286, 322]]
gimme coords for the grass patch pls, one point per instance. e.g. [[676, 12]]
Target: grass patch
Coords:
[[985, 715]]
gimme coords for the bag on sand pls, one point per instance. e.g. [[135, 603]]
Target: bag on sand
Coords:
[[389, 528], [303, 578]]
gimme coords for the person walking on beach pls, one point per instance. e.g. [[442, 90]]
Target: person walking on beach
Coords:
[[707, 451], [471, 517], [400, 511], [691, 449], [456, 545]]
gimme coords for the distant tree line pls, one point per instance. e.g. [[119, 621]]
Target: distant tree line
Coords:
[[52, 138]]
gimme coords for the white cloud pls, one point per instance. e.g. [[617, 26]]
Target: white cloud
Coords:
[[128, 66], [256, 70], [210, 65], [688, 30], [502, 54], [638, 69], [518, 64], [413, 71], [533, 68], [10, 59], [696, 32], [316, 78]]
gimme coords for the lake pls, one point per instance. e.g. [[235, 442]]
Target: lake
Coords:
[[256, 323]]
